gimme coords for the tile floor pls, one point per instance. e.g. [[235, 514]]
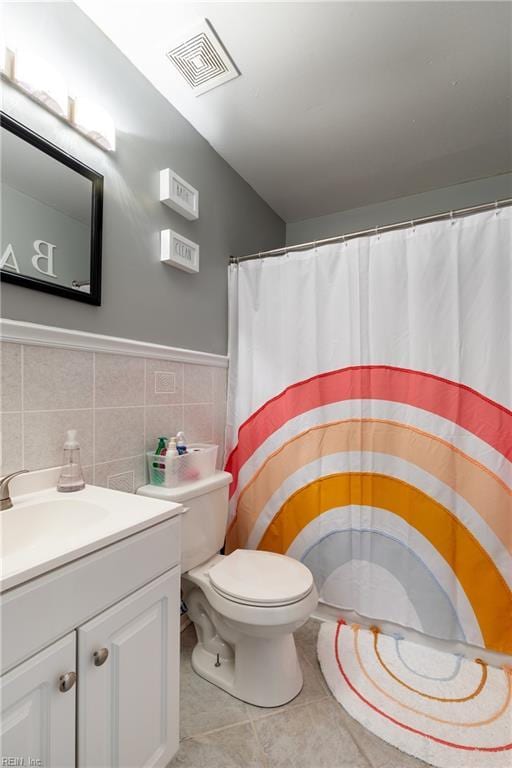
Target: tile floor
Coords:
[[312, 731]]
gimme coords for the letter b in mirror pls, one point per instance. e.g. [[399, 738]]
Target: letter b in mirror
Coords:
[[48, 257]]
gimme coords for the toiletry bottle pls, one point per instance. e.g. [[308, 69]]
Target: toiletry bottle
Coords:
[[71, 478], [160, 446], [161, 450], [181, 445], [171, 465]]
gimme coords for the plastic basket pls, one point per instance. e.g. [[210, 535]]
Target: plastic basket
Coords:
[[169, 471]]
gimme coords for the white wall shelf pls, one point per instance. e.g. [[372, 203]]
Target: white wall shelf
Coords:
[[178, 251], [178, 194]]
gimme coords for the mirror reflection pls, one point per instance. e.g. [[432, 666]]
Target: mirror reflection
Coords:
[[48, 218]]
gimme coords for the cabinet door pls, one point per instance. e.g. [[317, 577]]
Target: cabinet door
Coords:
[[128, 700], [38, 720]]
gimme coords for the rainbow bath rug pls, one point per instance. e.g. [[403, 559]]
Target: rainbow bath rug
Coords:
[[438, 707]]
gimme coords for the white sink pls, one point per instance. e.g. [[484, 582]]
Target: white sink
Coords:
[[41, 523], [45, 529]]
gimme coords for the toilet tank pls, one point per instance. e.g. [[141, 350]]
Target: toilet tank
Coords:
[[203, 525]]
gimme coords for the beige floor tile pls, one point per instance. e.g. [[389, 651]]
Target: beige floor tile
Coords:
[[311, 736], [203, 706], [379, 753], [235, 747], [306, 639], [312, 731]]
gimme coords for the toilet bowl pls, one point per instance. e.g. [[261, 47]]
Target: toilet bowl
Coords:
[[245, 633], [245, 606]]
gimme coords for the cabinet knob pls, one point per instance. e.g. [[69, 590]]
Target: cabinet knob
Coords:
[[67, 681], [100, 656]]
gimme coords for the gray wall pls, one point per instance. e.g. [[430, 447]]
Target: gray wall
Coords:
[[401, 209], [142, 298]]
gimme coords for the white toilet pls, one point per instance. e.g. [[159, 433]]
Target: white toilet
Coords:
[[245, 606]]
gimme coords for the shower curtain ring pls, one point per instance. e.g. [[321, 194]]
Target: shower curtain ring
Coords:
[[452, 220], [496, 207]]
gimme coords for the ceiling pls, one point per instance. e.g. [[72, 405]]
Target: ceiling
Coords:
[[340, 104]]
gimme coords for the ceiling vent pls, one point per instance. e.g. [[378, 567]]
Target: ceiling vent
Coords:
[[202, 59]]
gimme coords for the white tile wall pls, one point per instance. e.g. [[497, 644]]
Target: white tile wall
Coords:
[[162, 421], [198, 384], [155, 375], [10, 379], [119, 404], [44, 433], [118, 380], [56, 379]]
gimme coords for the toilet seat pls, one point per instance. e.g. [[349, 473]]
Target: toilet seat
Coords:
[[265, 579]]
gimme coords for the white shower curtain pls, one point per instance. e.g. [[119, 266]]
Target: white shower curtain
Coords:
[[369, 422]]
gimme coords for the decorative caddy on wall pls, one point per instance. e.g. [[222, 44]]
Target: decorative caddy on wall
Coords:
[[178, 194]]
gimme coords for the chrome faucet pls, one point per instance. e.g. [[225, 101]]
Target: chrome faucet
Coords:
[[5, 499]]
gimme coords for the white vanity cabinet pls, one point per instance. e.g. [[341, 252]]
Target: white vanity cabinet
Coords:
[[108, 623], [38, 719], [128, 673]]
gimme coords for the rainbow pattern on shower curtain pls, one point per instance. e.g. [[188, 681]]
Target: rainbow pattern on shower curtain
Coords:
[[391, 483]]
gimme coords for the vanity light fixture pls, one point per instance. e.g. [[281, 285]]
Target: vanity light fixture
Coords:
[[36, 78], [94, 122], [6, 61]]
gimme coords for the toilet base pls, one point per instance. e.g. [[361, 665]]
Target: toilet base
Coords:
[[247, 650], [263, 672]]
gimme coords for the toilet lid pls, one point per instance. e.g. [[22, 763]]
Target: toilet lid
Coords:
[[261, 578]]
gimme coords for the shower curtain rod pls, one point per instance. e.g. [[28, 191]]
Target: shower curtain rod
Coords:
[[374, 230]]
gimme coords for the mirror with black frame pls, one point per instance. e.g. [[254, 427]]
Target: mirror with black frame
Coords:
[[51, 217]]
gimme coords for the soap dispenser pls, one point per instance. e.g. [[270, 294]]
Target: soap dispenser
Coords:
[[71, 478]]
